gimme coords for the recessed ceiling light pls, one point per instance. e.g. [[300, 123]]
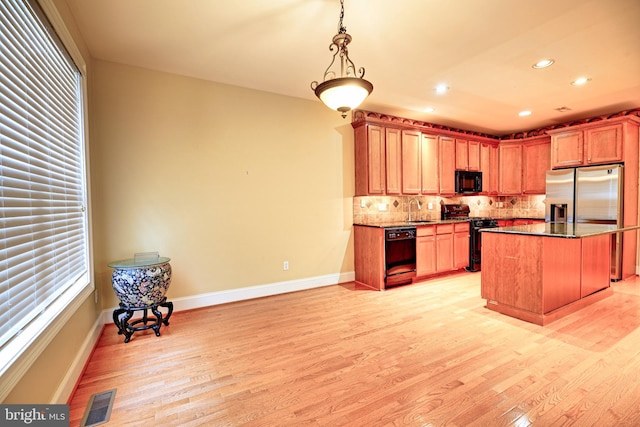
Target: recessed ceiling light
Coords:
[[524, 113], [543, 63], [563, 109], [441, 88], [580, 81], [429, 110]]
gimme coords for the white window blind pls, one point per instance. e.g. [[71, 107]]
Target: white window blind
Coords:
[[44, 261]]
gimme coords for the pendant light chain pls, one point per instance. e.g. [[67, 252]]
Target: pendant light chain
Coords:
[[341, 28]]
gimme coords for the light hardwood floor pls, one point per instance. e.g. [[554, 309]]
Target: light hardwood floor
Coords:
[[427, 354]]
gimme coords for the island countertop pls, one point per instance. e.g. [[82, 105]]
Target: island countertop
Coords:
[[562, 230]]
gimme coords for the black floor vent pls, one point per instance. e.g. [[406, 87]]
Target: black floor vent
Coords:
[[98, 409]]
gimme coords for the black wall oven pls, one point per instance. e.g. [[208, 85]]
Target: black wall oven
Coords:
[[400, 255]]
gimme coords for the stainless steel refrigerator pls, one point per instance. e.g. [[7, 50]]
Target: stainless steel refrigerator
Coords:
[[588, 195]]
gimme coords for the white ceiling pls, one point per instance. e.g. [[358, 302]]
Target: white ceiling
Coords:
[[482, 49]]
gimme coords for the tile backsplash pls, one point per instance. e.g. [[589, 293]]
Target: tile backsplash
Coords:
[[375, 209]]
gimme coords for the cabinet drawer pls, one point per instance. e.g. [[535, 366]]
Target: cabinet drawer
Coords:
[[444, 229], [425, 231], [463, 226]]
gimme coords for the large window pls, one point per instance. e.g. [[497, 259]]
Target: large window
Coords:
[[44, 246]]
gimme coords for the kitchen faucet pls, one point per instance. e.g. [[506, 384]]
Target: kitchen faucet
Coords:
[[419, 207]]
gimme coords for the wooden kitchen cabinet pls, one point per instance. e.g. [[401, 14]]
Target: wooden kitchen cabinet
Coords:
[[566, 149], [489, 168], [462, 154], [430, 170], [474, 155], [536, 161], [549, 274], [444, 248], [467, 155], [510, 170], [603, 144], [447, 163], [600, 144], [370, 160], [425, 251], [393, 150], [411, 162], [461, 245]]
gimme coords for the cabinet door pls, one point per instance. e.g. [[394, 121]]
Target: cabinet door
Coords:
[[489, 168], [510, 181], [429, 153], [411, 162], [536, 159], [370, 160], [444, 252], [603, 144], [425, 256], [447, 165], [461, 246], [566, 149], [462, 154], [495, 168], [473, 155], [393, 161]]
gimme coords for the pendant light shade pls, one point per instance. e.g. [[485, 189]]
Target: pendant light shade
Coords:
[[348, 90]]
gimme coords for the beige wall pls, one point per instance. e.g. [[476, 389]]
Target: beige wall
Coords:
[[228, 182]]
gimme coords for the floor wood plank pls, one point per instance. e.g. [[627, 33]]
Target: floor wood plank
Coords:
[[426, 354]]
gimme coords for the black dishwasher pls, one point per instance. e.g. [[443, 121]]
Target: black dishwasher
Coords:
[[400, 255]]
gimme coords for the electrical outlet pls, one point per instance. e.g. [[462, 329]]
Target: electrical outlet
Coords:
[[382, 207], [363, 203], [429, 205], [285, 265], [95, 296]]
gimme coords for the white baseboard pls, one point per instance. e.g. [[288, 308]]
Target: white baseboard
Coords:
[[251, 292], [63, 393]]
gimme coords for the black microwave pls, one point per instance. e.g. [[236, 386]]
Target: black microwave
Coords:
[[468, 182]]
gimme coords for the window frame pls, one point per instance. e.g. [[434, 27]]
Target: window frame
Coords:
[[61, 311]]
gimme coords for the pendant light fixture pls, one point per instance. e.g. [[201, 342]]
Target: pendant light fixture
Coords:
[[346, 91]]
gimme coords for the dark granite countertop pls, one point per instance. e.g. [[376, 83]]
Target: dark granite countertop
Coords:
[[565, 230], [412, 223]]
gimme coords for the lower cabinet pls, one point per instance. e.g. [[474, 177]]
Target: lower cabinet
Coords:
[[444, 248], [441, 248], [425, 251]]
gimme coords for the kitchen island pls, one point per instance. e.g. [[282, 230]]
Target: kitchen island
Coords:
[[542, 272]]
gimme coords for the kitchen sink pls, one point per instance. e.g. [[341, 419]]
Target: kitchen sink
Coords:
[[419, 221]]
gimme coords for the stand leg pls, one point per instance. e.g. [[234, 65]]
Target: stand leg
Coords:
[[127, 329], [156, 326], [169, 306], [117, 313]]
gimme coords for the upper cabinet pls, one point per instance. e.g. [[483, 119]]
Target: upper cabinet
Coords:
[[510, 170], [393, 150], [395, 156], [429, 167], [467, 155], [597, 144], [370, 157], [447, 163], [524, 165], [378, 159], [489, 168], [536, 161], [411, 161]]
